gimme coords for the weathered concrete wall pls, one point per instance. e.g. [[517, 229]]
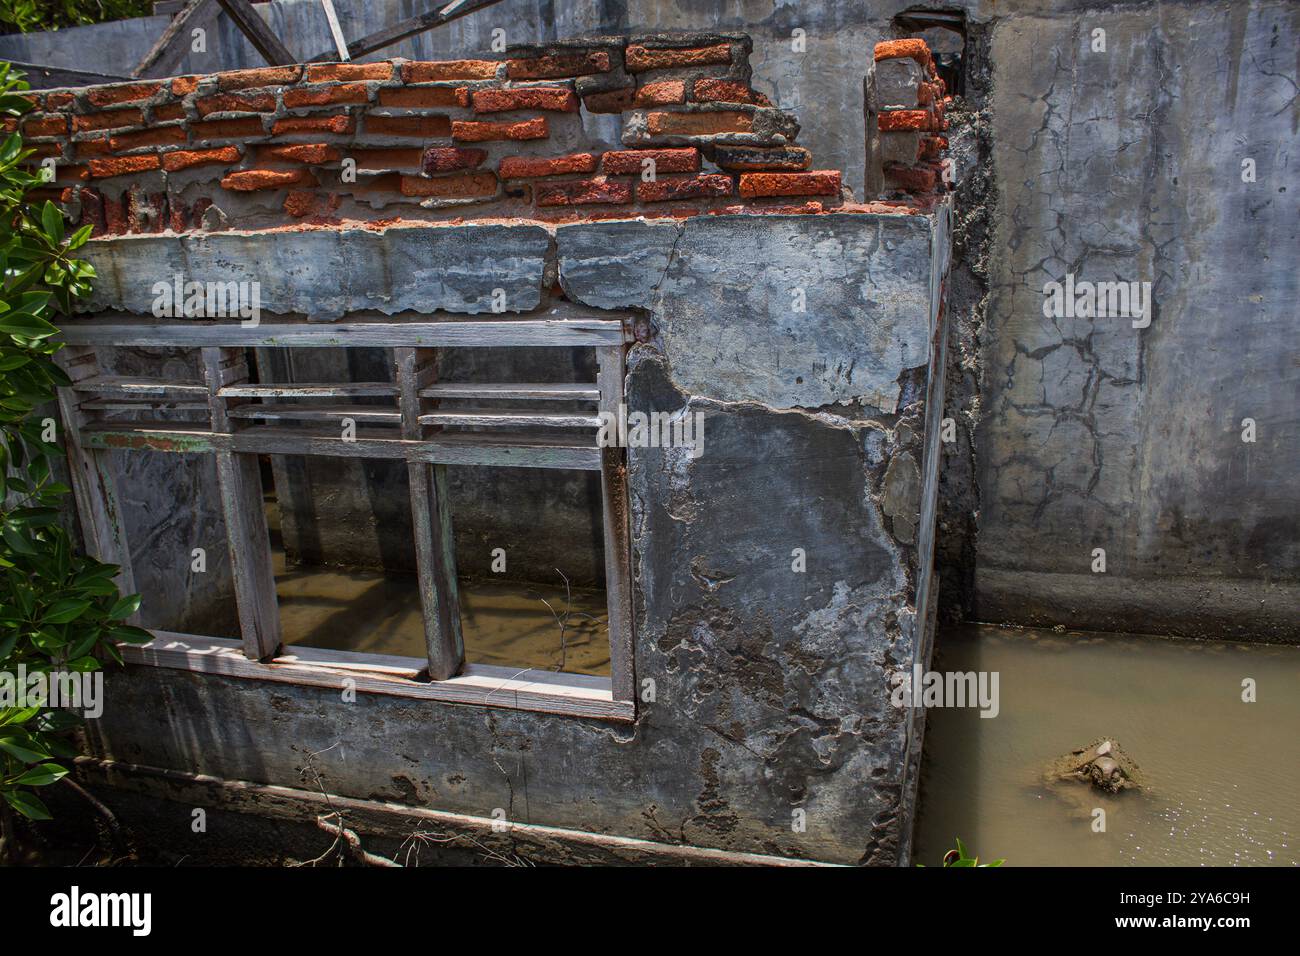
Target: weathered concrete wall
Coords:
[[771, 685], [1127, 165]]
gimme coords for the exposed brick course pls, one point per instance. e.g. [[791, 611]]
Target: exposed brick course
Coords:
[[528, 167], [472, 131], [818, 183], [641, 58], [528, 98], [449, 70], [583, 192], [411, 128], [708, 186], [683, 160], [557, 65]]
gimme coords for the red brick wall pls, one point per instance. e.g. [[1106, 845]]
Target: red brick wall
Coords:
[[433, 140], [911, 130]]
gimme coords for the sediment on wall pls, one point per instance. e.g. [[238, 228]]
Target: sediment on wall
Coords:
[[329, 142]]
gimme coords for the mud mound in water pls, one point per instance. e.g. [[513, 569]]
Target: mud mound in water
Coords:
[[1103, 764]]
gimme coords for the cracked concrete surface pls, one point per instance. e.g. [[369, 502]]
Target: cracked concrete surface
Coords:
[[1126, 165]]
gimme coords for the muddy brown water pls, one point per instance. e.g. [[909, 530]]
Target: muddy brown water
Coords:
[[1223, 775], [503, 623]]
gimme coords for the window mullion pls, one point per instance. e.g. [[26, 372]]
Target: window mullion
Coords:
[[614, 511], [240, 483], [93, 485], [435, 546]]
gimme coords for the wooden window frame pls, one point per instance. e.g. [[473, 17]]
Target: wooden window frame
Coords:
[[228, 397]]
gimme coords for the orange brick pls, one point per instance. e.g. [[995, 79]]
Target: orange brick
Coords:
[[324, 72], [227, 129], [263, 76], [553, 98], [446, 159], [112, 119], [458, 186], [912, 179], [185, 85], [48, 124], [707, 186], [122, 165], [727, 91], [339, 123], [159, 136], [322, 95], [421, 127], [433, 71], [583, 192], [931, 146], [528, 167], [69, 174], [185, 158], [424, 97], [169, 111], [698, 124], [310, 153], [249, 180], [477, 132], [556, 65], [301, 202], [905, 120], [613, 101], [824, 182], [236, 103], [56, 101], [411, 158], [661, 94], [914, 47], [91, 147], [640, 58], [121, 93], [630, 161]]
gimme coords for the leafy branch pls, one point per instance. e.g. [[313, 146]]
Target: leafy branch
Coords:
[[60, 611]]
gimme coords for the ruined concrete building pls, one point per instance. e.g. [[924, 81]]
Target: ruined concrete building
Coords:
[[553, 450], [423, 234]]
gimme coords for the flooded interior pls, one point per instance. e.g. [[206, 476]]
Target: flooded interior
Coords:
[[1222, 775], [509, 623]]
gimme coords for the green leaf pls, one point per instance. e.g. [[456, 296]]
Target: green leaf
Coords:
[[27, 804], [42, 775], [13, 716], [79, 237], [125, 608], [64, 611], [16, 539], [26, 325], [9, 150], [128, 634], [84, 646], [52, 220], [24, 751]]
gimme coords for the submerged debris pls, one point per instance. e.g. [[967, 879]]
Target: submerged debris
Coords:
[[1103, 763]]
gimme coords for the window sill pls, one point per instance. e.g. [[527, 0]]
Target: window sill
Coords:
[[483, 685]]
